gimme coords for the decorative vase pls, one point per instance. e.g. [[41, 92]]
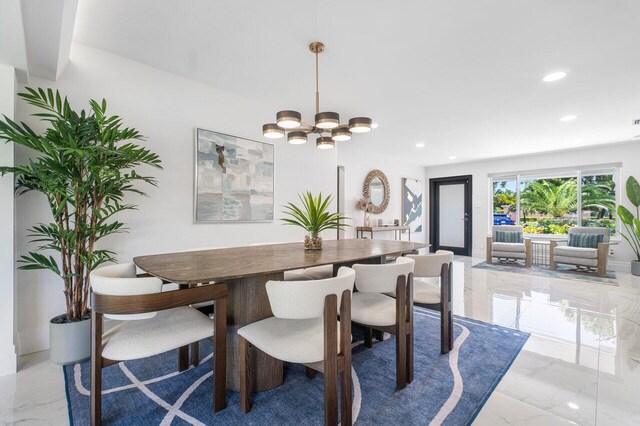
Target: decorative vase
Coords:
[[69, 342], [635, 267], [312, 242], [367, 221]]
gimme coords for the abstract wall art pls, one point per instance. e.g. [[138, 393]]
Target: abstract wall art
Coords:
[[412, 204], [233, 179]]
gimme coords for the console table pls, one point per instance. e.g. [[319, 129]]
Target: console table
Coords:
[[397, 231]]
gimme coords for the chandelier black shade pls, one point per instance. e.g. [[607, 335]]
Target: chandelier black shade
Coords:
[[325, 142], [297, 137], [326, 125]]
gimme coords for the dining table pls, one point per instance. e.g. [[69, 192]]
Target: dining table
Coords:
[[246, 270]]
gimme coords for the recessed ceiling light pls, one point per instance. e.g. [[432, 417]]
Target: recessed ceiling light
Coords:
[[420, 145], [569, 118], [554, 76], [374, 125], [453, 157], [573, 405]]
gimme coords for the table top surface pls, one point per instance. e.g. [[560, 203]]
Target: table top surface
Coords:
[[192, 267]]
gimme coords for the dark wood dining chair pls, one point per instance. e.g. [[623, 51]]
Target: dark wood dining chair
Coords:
[[305, 330], [373, 309], [154, 322]]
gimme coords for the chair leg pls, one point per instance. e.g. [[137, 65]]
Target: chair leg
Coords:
[[409, 339], [379, 335], [195, 354], [220, 356], [446, 316], [331, 360], [602, 259], [245, 378], [311, 373], [345, 393], [345, 350], [183, 358], [96, 369], [401, 334], [368, 337]]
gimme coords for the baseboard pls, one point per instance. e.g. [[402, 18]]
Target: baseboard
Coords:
[[619, 266], [8, 360], [33, 339]]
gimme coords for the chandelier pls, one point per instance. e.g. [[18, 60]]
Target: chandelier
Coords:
[[326, 125]]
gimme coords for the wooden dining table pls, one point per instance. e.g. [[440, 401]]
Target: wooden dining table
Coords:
[[246, 270]]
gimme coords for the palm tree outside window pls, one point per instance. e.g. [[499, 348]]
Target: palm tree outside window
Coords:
[[551, 203]]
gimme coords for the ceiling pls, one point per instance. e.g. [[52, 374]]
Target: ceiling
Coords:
[[464, 77]]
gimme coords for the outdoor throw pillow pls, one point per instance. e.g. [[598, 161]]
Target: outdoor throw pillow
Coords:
[[508, 237], [585, 240]]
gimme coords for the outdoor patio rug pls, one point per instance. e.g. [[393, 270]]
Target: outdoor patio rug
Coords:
[[447, 389], [564, 272]]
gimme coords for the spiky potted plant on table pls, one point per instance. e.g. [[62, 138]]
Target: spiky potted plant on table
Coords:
[[631, 222], [314, 217], [84, 167]]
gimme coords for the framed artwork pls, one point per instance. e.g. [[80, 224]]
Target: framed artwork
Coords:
[[412, 204], [233, 178]]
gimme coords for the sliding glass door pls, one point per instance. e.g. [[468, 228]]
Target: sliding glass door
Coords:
[[552, 202]]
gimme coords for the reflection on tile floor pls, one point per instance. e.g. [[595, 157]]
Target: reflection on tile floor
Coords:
[[580, 366], [582, 362]]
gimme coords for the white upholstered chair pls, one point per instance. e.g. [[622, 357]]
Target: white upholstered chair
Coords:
[[586, 247], [305, 330], [154, 322], [507, 242], [432, 284], [373, 308]]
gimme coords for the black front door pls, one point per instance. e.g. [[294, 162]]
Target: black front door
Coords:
[[450, 221]]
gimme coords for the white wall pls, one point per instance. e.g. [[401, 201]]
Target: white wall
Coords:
[[165, 108], [7, 247], [358, 159], [628, 154]]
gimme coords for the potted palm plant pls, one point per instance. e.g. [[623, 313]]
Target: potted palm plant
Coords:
[[314, 217], [84, 167], [632, 222]]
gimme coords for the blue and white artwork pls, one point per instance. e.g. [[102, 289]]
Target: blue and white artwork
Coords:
[[234, 178], [412, 204]]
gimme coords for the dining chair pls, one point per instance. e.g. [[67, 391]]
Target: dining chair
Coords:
[[319, 272], [373, 308], [304, 329], [432, 287], [154, 322]]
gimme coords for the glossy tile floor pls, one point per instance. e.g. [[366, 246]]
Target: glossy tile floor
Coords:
[[581, 364]]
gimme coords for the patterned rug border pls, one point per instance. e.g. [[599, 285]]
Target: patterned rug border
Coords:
[[563, 272]]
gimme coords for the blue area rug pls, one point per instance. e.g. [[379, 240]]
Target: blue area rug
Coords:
[[447, 389], [565, 272]]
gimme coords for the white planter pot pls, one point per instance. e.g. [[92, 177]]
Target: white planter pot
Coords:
[[69, 342], [635, 267]]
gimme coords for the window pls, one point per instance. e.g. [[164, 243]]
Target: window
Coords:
[[504, 201], [548, 204], [553, 202], [599, 200]]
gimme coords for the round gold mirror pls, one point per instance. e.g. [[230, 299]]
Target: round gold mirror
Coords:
[[376, 189]]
